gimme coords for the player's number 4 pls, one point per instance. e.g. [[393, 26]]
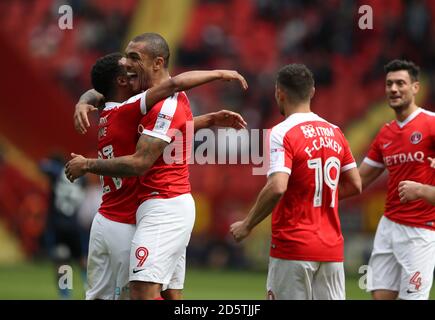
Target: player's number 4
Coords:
[[323, 174]]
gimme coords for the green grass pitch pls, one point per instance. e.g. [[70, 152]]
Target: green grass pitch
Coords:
[[37, 281]]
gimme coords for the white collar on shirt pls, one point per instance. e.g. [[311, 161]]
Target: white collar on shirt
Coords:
[[110, 105], [410, 117]]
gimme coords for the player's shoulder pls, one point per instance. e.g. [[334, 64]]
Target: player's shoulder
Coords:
[[293, 121], [386, 127], [427, 114], [140, 96], [183, 99]]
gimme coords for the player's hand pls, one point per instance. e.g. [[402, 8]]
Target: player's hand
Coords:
[[239, 230], [76, 167], [409, 191], [229, 119], [231, 75], [432, 162], [81, 121]]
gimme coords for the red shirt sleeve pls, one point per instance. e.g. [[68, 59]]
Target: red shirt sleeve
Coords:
[[348, 161], [374, 156], [165, 117], [281, 155]]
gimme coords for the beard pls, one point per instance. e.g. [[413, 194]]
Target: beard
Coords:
[[401, 106]]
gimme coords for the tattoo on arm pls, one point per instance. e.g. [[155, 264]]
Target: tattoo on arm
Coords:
[[148, 150], [92, 97]]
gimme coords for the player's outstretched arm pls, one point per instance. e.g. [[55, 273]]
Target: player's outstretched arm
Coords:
[[411, 190], [184, 81], [89, 101], [188, 80], [267, 199], [368, 174], [148, 149], [222, 118], [349, 184]]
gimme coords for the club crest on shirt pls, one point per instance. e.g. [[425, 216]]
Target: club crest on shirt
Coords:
[[416, 137], [308, 131]]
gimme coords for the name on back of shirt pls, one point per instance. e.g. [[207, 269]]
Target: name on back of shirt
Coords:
[[323, 138]]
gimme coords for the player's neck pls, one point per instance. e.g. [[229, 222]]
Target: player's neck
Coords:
[[159, 77], [299, 108], [403, 114], [119, 96]]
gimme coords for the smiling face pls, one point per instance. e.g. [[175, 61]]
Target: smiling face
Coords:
[[400, 89], [140, 65]]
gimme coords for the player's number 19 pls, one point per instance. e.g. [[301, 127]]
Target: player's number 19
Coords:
[[323, 174]]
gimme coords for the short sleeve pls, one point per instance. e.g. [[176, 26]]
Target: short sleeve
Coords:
[[374, 156], [141, 98], [164, 116], [348, 161], [281, 157]]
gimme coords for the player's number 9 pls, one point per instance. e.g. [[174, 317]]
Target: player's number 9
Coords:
[[323, 174]]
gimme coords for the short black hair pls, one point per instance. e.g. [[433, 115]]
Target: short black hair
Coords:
[[156, 46], [105, 71], [398, 65], [297, 81]]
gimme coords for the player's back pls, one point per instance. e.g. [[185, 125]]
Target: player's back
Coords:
[[305, 223], [117, 136]]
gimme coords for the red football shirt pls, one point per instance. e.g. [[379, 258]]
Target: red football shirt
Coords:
[[403, 148], [117, 136], [305, 223], [168, 120]]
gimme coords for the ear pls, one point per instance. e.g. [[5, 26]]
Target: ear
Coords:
[[313, 91], [158, 64], [415, 87], [278, 93]]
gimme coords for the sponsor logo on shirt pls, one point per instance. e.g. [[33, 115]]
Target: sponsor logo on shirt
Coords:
[[308, 131], [404, 158]]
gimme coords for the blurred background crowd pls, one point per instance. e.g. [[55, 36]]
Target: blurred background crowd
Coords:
[[46, 69]]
